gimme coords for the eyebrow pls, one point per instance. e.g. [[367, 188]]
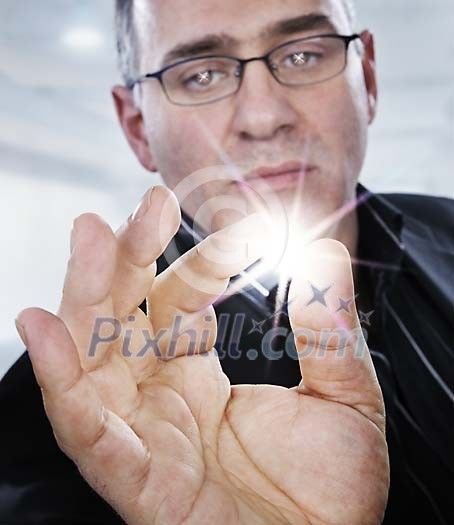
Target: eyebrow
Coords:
[[207, 44], [215, 43], [299, 24]]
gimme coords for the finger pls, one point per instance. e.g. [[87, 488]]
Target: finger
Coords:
[[88, 283], [102, 271], [108, 453], [183, 294], [334, 360], [141, 240]]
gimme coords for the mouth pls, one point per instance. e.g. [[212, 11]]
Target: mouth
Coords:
[[284, 176]]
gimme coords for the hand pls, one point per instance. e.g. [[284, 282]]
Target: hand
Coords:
[[164, 437]]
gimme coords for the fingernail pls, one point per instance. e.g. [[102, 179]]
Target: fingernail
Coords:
[[143, 206], [21, 331], [74, 235]]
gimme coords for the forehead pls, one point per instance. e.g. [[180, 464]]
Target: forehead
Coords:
[[164, 24]]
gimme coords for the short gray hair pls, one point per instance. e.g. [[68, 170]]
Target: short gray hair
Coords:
[[128, 43], [350, 9]]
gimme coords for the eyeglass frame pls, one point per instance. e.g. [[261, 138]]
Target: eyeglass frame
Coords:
[[347, 39]]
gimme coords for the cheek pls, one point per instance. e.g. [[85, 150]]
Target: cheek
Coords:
[[182, 142], [356, 134], [344, 126]]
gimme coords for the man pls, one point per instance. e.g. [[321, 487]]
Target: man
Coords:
[[281, 95]]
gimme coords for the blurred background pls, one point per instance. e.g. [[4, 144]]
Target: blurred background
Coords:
[[62, 152]]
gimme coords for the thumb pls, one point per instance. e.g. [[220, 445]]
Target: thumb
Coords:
[[111, 457], [334, 359]]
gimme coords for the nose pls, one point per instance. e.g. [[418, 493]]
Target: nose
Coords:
[[263, 106]]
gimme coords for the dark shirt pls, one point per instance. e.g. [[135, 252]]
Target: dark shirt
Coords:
[[405, 280]]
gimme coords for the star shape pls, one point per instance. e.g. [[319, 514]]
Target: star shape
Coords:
[[344, 304], [365, 318], [318, 295], [299, 58], [257, 326], [280, 308], [203, 78]]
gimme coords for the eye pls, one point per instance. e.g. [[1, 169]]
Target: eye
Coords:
[[302, 59], [299, 59], [203, 79]]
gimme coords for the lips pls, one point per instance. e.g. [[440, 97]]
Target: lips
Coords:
[[285, 169], [285, 176]]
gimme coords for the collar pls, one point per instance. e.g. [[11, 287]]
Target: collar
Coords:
[[380, 223]]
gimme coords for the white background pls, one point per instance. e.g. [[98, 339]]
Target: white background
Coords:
[[62, 153]]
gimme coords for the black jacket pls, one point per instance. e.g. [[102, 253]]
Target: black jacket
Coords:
[[406, 261]]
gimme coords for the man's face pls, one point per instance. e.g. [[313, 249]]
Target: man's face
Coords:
[[319, 129]]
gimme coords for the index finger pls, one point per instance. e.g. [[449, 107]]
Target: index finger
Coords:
[[141, 240]]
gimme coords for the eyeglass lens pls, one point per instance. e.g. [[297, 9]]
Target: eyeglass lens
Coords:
[[297, 63]]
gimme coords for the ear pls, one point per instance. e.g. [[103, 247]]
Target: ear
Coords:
[[370, 75], [131, 120]]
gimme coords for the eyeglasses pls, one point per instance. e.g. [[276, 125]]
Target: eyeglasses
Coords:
[[203, 80]]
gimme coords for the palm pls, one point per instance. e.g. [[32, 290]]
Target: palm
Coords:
[[236, 452], [170, 441]]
